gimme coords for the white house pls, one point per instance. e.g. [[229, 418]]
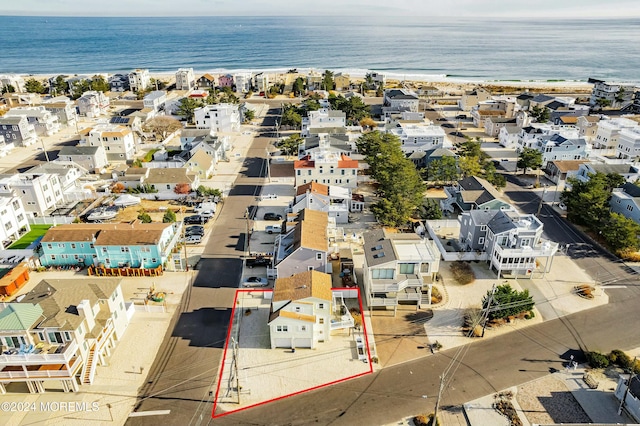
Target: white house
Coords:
[[334, 200], [64, 108], [14, 80], [617, 94], [418, 137], [93, 104], [304, 311], [242, 82], [328, 167], [39, 192], [558, 147], [185, 80], [44, 122], [398, 267], [508, 135], [606, 136], [322, 118], [396, 100], [629, 144], [117, 141], [164, 180], [155, 100], [218, 118], [13, 217], [139, 80], [62, 326], [18, 131], [92, 158]]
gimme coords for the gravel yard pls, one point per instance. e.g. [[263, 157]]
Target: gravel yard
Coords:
[[548, 400]]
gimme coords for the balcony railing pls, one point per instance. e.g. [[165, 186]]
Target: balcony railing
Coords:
[[400, 283], [383, 301], [63, 354], [539, 250]]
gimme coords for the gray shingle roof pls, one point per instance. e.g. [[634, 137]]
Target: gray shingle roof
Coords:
[[377, 248], [500, 223], [79, 150]]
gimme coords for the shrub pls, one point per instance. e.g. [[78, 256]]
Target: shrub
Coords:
[[425, 420], [144, 217], [436, 297], [597, 360], [620, 359], [462, 272], [507, 302], [530, 315], [169, 217]]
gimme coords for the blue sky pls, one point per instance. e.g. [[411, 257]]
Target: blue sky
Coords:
[[355, 8]]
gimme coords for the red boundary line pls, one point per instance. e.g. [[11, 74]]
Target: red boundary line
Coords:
[[224, 357]]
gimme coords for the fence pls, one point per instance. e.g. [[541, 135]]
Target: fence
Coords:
[[50, 220], [433, 225]]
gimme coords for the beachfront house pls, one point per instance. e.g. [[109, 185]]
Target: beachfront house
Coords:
[[139, 80], [119, 83], [218, 118], [327, 167], [225, 80], [91, 158], [206, 82], [18, 131], [471, 98], [185, 79], [12, 80], [303, 246], [398, 267], [61, 331], [155, 100], [114, 245], [242, 82], [616, 95]]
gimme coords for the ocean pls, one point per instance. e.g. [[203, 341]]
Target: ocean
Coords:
[[412, 48]]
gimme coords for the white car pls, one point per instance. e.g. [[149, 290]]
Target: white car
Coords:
[[255, 282], [562, 206], [207, 213]]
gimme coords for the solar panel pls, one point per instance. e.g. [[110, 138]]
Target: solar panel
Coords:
[[119, 120]]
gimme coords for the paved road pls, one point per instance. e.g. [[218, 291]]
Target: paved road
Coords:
[[185, 371]]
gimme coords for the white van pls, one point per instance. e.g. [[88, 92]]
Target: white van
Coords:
[[273, 229], [193, 239], [206, 206]]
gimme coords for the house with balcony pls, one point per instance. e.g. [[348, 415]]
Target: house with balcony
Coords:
[[626, 201], [261, 82], [14, 80], [225, 80], [18, 131], [63, 108], [40, 193], [558, 147], [14, 222], [322, 118], [113, 245], [93, 104], [119, 83], [617, 95], [333, 200], [206, 82], [513, 242], [606, 136], [417, 137], [185, 79], [139, 80], [305, 312], [587, 126], [628, 147], [327, 167], [303, 245], [44, 122], [630, 172], [117, 141], [398, 268], [343, 143], [497, 108], [218, 118], [61, 331], [471, 98], [91, 158], [557, 171], [242, 81], [155, 100], [472, 193], [398, 100]]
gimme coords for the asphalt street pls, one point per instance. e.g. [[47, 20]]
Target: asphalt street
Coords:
[[184, 375]]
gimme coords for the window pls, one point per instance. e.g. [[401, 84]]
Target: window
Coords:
[[41, 336], [282, 328], [320, 305], [320, 320], [525, 242], [115, 314], [319, 256], [297, 308], [630, 208], [309, 268], [73, 245], [104, 249], [67, 336], [8, 225], [124, 249], [483, 228], [481, 240], [154, 260], [303, 328], [407, 268], [20, 217], [382, 274]]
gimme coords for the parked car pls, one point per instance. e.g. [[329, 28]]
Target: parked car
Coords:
[[195, 219], [193, 239], [257, 261], [194, 230], [273, 229], [255, 282], [272, 216], [461, 116], [207, 214]]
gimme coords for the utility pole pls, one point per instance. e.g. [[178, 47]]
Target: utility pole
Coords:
[[247, 236], [544, 192], [435, 410], [268, 164], [184, 243], [486, 314], [235, 367], [626, 391]]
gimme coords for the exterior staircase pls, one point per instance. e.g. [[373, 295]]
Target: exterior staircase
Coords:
[[87, 377]]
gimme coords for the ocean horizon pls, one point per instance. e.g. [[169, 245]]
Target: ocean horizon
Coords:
[[412, 48]]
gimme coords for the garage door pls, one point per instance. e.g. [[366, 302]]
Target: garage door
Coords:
[[302, 343], [282, 342]]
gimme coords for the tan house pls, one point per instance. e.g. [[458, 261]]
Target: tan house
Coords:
[[201, 163], [341, 81], [165, 180]]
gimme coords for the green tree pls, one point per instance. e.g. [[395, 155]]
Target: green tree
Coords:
[[507, 302], [430, 210], [249, 115], [620, 95], [78, 87], [311, 105], [60, 86], [144, 217], [169, 217], [291, 116], [620, 233], [602, 103], [529, 158], [587, 202], [99, 84], [470, 166], [354, 108], [470, 148], [298, 86], [8, 88], [290, 145], [540, 114], [368, 82], [443, 170], [187, 107], [34, 86], [327, 80], [204, 191]]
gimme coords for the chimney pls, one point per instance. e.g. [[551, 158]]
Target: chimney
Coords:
[[84, 310]]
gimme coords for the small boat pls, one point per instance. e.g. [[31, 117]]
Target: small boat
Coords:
[[102, 213]]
